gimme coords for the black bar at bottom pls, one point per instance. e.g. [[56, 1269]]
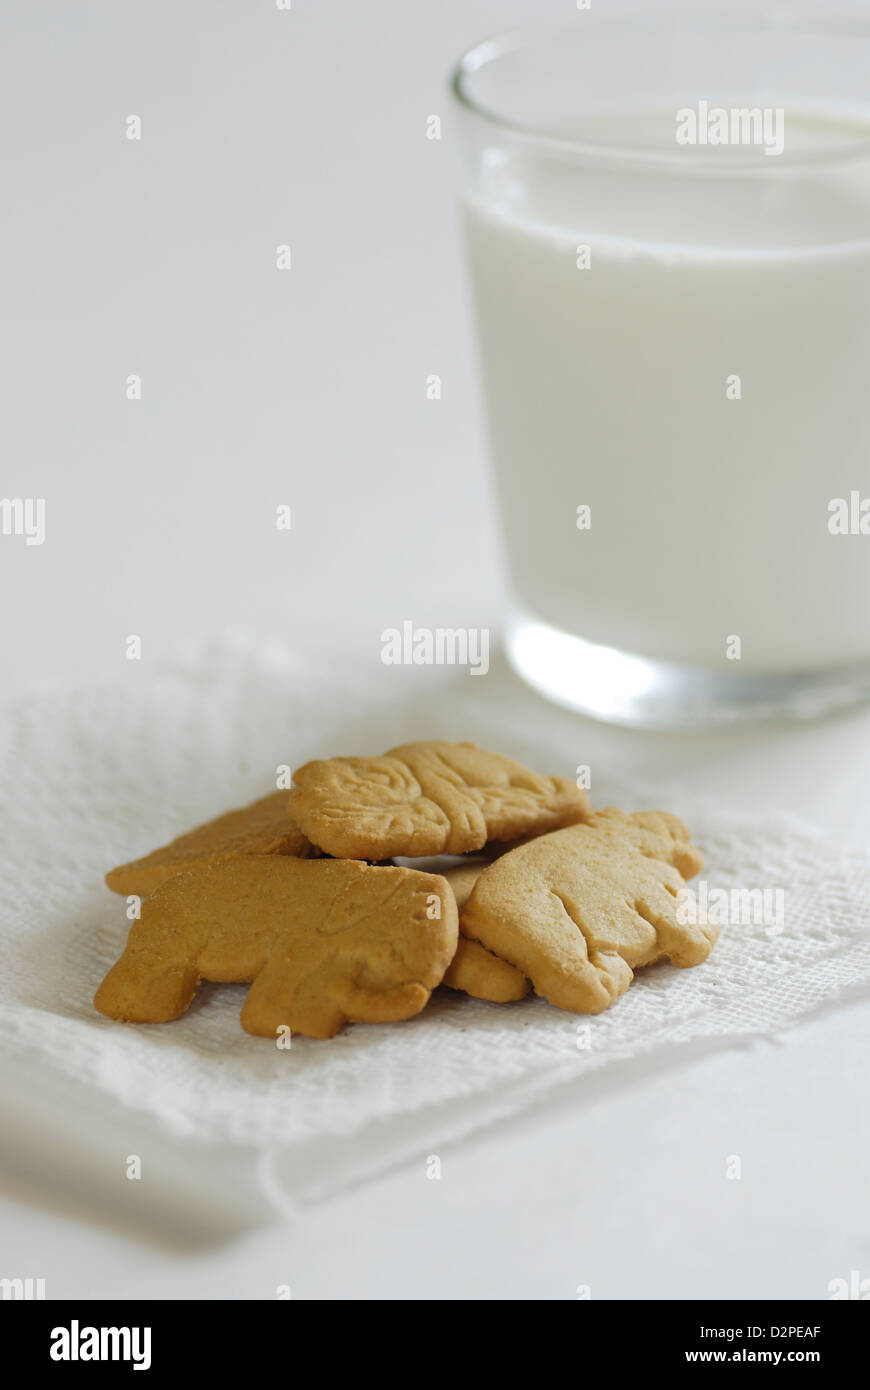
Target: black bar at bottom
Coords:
[[154, 1338]]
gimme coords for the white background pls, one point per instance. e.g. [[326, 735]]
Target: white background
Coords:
[[307, 387]]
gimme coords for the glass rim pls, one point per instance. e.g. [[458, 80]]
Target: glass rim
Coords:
[[485, 51]]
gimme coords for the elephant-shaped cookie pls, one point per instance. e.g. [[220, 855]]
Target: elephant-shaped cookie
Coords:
[[578, 911]]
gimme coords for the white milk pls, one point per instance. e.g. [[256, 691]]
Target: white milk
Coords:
[[606, 387]]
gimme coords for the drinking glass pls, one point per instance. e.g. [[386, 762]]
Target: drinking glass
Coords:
[[668, 231]]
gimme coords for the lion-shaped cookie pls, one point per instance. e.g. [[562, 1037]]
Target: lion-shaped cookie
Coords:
[[427, 799]]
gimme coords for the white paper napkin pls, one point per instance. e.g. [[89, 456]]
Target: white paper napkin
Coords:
[[94, 776]]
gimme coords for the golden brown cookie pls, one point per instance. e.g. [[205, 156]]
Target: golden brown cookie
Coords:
[[321, 941], [474, 969], [579, 910], [427, 798], [264, 827]]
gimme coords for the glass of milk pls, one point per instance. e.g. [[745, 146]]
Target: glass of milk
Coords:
[[668, 228]]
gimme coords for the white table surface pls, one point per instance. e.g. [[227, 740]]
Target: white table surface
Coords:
[[262, 127]]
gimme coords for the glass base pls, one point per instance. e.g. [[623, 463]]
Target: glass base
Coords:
[[624, 689]]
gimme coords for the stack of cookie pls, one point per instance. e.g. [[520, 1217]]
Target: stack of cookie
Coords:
[[297, 895]]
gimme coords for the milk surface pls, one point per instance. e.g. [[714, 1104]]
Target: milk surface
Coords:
[[606, 388]]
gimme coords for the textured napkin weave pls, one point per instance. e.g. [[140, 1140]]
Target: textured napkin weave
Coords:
[[95, 776]]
